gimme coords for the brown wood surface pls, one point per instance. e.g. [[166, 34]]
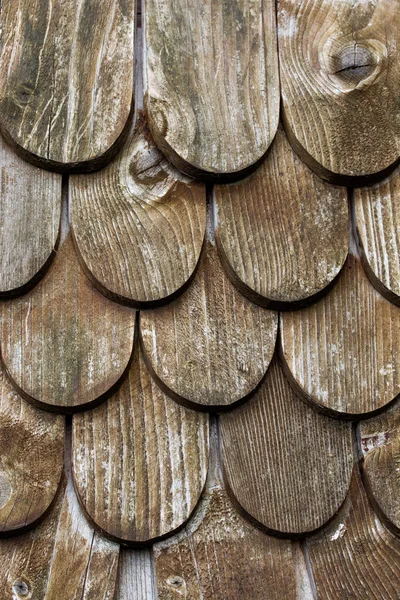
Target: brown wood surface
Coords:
[[66, 78], [139, 224], [140, 460], [65, 345], [378, 225], [380, 444], [343, 352], [286, 465], [84, 565], [29, 233], [220, 556], [211, 346], [282, 233], [212, 83], [340, 73], [31, 459], [25, 559], [136, 580], [355, 557]]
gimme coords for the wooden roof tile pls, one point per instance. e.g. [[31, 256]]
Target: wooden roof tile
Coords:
[[340, 74], [138, 224], [287, 466], [212, 83], [282, 232], [29, 234], [140, 460], [66, 78], [211, 347], [343, 352], [32, 455], [65, 345]]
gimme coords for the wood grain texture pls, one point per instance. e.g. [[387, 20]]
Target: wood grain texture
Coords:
[[64, 345], [343, 352], [31, 459], [220, 556], [140, 460], [377, 211], [355, 557], [282, 233], [28, 235], [380, 444], [212, 93], [66, 79], [340, 72], [136, 579], [138, 224], [287, 466], [84, 565], [25, 559], [210, 347]]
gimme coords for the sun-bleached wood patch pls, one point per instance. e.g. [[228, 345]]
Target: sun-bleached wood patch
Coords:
[[340, 74], [66, 79], [212, 94], [138, 224], [282, 233]]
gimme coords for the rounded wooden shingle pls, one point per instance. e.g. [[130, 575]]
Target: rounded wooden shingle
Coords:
[[340, 73], [212, 95], [139, 460], [283, 234], [343, 352], [286, 465], [66, 79], [138, 224], [210, 347], [64, 345]]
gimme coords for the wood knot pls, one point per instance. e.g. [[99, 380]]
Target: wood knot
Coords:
[[178, 584], [354, 63], [21, 588]]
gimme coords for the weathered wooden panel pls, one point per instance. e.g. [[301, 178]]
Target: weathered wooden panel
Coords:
[[378, 226], [64, 345], [25, 559], [340, 74], [287, 466], [139, 224], [282, 232], [380, 444], [212, 83], [136, 580], [356, 557], [220, 556], [211, 346], [343, 352], [66, 78], [84, 565], [31, 459], [29, 233], [140, 460]]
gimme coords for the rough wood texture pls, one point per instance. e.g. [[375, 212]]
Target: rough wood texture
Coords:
[[343, 352], [139, 224], [31, 459], [29, 234], [25, 559], [220, 556], [212, 83], [66, 78], [356, 557], [83, 565], [64, 345], [140, 460], [380, 444], [378, 227], [340, 73], [136, 580], [211, 346], [286, 465], [282, 233]]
